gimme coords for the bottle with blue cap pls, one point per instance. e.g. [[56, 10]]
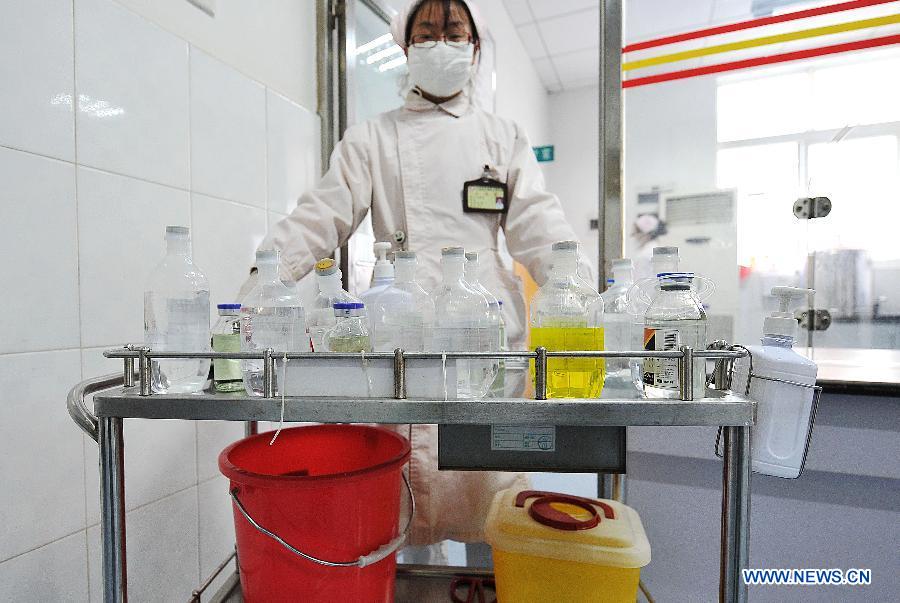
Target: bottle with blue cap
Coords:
[[351, 331], [674, 318], [226, 337], [321, 315]]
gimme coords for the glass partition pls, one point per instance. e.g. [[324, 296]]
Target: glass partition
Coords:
[[733, 128]]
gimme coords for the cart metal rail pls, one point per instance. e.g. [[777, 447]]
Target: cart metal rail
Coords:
[[128, 395]]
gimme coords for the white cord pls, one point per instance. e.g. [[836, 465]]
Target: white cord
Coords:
[[365, 368], [283, 388], [444, 373]]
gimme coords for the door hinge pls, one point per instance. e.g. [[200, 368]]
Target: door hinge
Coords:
[[814, 320], [809, 208]]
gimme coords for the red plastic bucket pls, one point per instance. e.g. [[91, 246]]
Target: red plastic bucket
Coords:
[[329, 491]]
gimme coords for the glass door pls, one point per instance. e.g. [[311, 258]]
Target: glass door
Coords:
[[717, 155], [369, 74]]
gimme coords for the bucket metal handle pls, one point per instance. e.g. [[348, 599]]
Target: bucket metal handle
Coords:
[[372, 558]]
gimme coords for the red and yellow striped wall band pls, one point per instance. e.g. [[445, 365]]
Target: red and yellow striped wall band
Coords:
[[759, 42]]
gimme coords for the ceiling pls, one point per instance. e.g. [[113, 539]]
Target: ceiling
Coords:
[[562, 37]]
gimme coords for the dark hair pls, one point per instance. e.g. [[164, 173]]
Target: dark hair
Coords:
[[447, 3]]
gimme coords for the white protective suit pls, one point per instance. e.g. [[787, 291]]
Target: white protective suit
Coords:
[[407, 167]]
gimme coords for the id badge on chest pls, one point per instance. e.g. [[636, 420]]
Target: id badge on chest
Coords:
[[485, 195]]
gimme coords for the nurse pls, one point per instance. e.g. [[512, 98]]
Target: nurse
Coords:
[[408, 168]]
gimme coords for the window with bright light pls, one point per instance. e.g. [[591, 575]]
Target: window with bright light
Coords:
[[828, 128]]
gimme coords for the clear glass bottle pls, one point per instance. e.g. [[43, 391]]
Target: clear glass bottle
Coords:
[[382, 276], [226, 337], [321, 315], [351, 331], [272, 316], [620, 333], [568, 315], [675, 318], [402, 316], [498, 387], [461, 324], [176, 317], [472, 278], [495, 320]]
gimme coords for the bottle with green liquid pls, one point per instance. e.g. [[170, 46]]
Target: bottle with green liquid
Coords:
[[567, 314], [351, 332], [226, 337]]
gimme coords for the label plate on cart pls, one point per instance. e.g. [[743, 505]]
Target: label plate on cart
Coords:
[[523, 438]]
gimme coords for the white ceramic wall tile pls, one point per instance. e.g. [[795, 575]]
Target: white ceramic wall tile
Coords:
[[38, 79], [160, 459], [216, 527], [162, 550], [56, 572], [274, 218], [225, 239], [42, 462], [212, 438], [159, 455], [121, 226], [294, 158], [94, 364], [38, 244], [132, 85], [228, 132]]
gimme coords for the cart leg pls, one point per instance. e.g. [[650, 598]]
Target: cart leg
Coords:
[[611, 486], [112, 510], [735, 515]]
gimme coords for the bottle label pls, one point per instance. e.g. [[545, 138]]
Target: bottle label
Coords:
[[661, 372], [226, 370], [281, 328], [188, 323]]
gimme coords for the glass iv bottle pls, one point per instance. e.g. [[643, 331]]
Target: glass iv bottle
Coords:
[[176, 317], [675, 318], [272, 316], [567, 314]]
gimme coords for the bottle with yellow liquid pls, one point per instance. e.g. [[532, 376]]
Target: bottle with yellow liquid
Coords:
[[567, 314]]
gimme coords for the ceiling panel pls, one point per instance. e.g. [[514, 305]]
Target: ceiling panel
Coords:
[[518, 10], [577, 66], [575, 31], [560, 34], [534, 45], [543, 9], [548, 75]]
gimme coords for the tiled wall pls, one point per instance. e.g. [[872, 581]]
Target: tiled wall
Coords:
[[110, 129]]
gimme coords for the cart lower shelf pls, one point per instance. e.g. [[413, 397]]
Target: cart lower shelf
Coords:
[[415, 583]]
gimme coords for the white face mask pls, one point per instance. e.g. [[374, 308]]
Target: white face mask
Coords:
[[443, 70]]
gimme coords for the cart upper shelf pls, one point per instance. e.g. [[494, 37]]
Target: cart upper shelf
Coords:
[[727, 409]]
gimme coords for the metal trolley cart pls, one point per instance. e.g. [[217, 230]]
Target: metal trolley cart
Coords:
[[128, 395]]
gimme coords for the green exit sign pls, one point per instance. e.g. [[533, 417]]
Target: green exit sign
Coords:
[[545, 153]]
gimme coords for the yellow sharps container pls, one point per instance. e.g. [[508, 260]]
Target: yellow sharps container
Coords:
[[566, 549]]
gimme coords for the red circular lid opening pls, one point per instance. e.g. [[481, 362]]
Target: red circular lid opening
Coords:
[[543, 512]]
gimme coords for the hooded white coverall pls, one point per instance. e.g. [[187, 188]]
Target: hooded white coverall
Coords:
[[407, 167]]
